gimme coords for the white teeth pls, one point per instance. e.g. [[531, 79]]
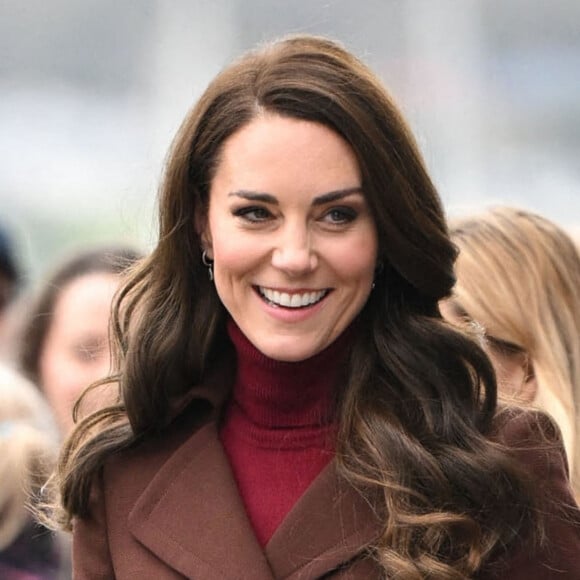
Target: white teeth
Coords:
[[292, 300]]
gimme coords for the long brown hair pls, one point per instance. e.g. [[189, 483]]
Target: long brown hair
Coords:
[[421, 397]]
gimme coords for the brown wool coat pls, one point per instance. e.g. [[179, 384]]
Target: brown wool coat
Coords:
[[170, 510]]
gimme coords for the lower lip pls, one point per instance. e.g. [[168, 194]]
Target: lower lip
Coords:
[[291, 314]]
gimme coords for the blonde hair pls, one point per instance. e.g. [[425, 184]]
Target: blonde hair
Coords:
[[28, 449], [518, 275]]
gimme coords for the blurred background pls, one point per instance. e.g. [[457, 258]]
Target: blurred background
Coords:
[[92, 92]]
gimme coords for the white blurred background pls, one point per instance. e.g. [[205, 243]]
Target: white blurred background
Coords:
[[92, 92]]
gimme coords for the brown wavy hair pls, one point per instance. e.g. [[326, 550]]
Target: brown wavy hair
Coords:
[[420, 402]]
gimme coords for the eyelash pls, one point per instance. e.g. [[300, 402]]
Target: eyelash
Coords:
[[258, 214], [346, 215], [246, 213], [89, 353]]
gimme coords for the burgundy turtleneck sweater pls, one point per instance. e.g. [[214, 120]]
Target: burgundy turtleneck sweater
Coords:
[[278, 429]]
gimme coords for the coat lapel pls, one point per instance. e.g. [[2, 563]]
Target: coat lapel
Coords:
[[192, 517], [330, 525]]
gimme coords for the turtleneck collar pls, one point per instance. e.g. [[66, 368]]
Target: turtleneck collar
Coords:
[[276, 394]]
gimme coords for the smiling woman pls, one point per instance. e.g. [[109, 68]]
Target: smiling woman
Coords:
[[295, 265], [290, 402]]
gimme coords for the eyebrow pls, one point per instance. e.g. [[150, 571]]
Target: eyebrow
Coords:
[[329, 197]]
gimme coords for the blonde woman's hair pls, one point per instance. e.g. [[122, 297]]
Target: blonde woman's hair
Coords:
[[28, 449], [518, 275]]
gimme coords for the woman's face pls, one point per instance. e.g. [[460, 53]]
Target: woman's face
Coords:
[[510, 362], [76, 349], [292, 238]]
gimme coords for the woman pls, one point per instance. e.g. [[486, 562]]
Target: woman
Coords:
[[65, 342], [518, 275], [290, 403]]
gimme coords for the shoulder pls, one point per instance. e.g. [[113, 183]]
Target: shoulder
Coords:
[[201, 405], [147, 456], [534, 441], [103, 535], [133, 482], [132, 468], [518, 425]]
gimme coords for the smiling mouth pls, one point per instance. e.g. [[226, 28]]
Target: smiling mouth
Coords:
[[294, 300]]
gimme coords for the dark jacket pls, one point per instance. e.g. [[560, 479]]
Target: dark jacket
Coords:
[[33, 555], [170, 509]]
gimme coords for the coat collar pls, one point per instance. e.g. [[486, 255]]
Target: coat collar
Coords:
[[192, 517]]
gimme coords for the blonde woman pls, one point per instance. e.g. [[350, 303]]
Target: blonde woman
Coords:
[[28, 447], [518, 276]]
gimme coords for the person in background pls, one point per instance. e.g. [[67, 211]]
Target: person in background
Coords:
[[65, 340], [9, 281], [28, 450], [290, 403], [518, 276]]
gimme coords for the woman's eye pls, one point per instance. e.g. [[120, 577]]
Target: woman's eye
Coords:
[[89, 352], [253, 214], [340, 215]]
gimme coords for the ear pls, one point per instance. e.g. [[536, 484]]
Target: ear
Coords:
[[203, 231]]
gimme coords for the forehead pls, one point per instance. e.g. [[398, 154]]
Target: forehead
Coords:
[[86, 299], [274, 153]]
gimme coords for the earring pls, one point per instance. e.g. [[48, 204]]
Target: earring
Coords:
[[208, 264]]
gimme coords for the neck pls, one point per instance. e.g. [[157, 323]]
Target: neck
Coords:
[[279, 394]]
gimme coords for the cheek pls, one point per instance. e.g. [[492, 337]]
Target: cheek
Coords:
[[232, 256], [64, 376], [356, 269], [236, 257], [58, 374], [510, 372], [52, 361], [354, 263]]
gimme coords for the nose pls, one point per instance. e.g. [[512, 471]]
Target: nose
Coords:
[[294, 253]]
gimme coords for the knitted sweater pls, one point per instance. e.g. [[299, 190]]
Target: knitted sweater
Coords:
[[278, 429]]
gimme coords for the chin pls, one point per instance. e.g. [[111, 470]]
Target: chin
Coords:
[[288, 351]]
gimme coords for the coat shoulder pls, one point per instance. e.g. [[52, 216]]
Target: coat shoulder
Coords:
[[522, 427], [137, 465], [535, 442]]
